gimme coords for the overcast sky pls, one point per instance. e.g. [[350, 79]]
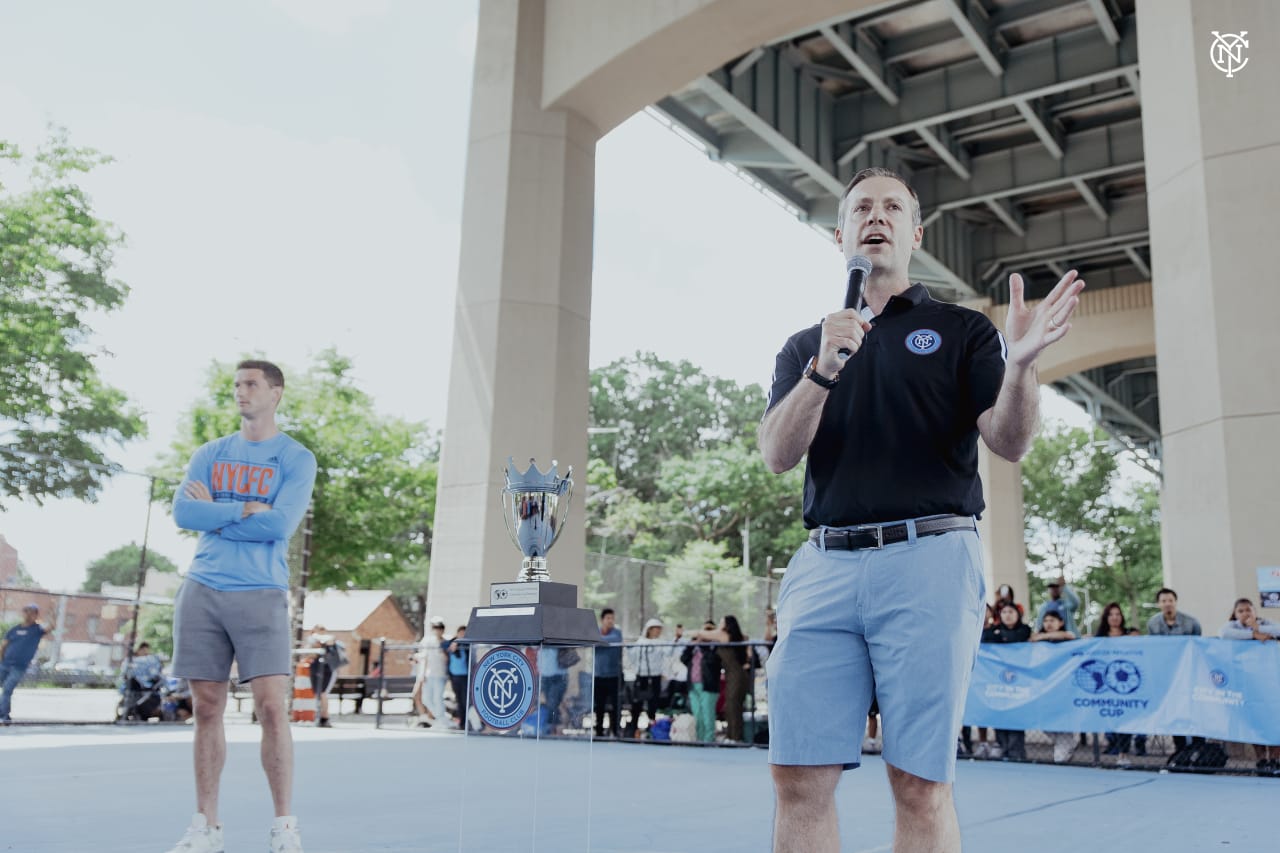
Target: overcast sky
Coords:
[[289, 175]]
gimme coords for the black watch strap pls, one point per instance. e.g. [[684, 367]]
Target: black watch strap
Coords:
[[810, 372]]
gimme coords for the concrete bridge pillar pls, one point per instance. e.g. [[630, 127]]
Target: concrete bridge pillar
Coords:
[[518, 381], [1212, 146]]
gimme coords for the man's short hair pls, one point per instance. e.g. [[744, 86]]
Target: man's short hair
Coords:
[[878, 172], [273, 374], [606, 612], [1165, 589]]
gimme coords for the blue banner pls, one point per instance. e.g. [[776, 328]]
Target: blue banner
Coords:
[[1223, 689]]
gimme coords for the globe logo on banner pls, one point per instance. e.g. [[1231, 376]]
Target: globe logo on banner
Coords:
[[1091, 676], [503, 687], [1118, 676], [1227, 52]]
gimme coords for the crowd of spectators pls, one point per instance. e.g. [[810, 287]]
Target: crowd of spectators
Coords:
[[1056, 623]]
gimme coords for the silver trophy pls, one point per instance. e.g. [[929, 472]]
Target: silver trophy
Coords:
[[535, 505]]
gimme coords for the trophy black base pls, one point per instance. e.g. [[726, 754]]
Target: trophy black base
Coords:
[[533, 612]]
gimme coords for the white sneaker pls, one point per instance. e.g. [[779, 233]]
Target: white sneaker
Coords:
[[870, 745], [200, 838], [284, 836], [981, 750], [994, 751]]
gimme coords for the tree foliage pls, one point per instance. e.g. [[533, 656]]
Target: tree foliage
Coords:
[[155, 627], [1067, 478], [703, 582], [664, 410], [1085, 523], [120, 567], [1131, 569], [687, 470], [56, 413], [375, 489]]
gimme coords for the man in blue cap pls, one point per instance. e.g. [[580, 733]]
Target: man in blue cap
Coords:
[[16, 652]]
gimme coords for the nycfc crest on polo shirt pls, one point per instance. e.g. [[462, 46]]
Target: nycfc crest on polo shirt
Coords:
[[924, 341], [503, 687]]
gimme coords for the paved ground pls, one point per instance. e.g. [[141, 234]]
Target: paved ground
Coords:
[[113, 790]]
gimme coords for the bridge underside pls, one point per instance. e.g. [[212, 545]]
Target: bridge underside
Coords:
[[1017, 121]]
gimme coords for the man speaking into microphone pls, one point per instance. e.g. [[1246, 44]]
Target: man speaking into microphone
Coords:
[[885, 600]]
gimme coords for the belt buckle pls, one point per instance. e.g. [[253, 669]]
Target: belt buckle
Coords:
[[877, 529]]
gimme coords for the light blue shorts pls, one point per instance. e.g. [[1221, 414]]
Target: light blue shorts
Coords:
[[901, 623]]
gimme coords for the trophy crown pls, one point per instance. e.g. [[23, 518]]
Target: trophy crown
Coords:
[[531, 479]]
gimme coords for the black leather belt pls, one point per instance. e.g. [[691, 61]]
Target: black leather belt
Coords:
[[879, 535]]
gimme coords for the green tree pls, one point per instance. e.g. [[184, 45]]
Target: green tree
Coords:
[[704, 582], [1130, 570], [664, 410], [409, 587], [1084, 522], [375, 489], [714, 493], [56, 256], [155, 627], [1067, 479], [120, 567]]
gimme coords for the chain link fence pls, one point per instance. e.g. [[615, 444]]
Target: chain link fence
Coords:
[[639, 590]]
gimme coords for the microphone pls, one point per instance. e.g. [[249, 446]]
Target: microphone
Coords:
[[858, 268]]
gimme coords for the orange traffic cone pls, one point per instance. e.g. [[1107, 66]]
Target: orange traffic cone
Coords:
[[304, 698]]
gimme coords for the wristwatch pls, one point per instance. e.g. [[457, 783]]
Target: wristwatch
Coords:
[[810, 373]]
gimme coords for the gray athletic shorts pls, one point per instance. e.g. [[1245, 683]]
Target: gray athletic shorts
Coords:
[[210, 627]]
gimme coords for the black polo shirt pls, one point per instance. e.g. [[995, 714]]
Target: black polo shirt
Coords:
[[898, 436]]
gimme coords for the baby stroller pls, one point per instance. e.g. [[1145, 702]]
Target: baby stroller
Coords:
[[140, 703]]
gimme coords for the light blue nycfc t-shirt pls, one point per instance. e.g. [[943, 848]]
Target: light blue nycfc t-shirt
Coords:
[[238, 552]]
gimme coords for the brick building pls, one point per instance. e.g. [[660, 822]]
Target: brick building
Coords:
[[8, 563], [360, 618]]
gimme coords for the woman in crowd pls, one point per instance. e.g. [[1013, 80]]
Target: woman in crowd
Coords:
[[1054, 630], [1004, 593], [648, 660], [734, 660], [1245, 624], [1112, 624], [986, 748], [1009, 743], [704, 681]]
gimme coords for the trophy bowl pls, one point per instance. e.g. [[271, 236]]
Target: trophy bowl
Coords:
[[535, 506]]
